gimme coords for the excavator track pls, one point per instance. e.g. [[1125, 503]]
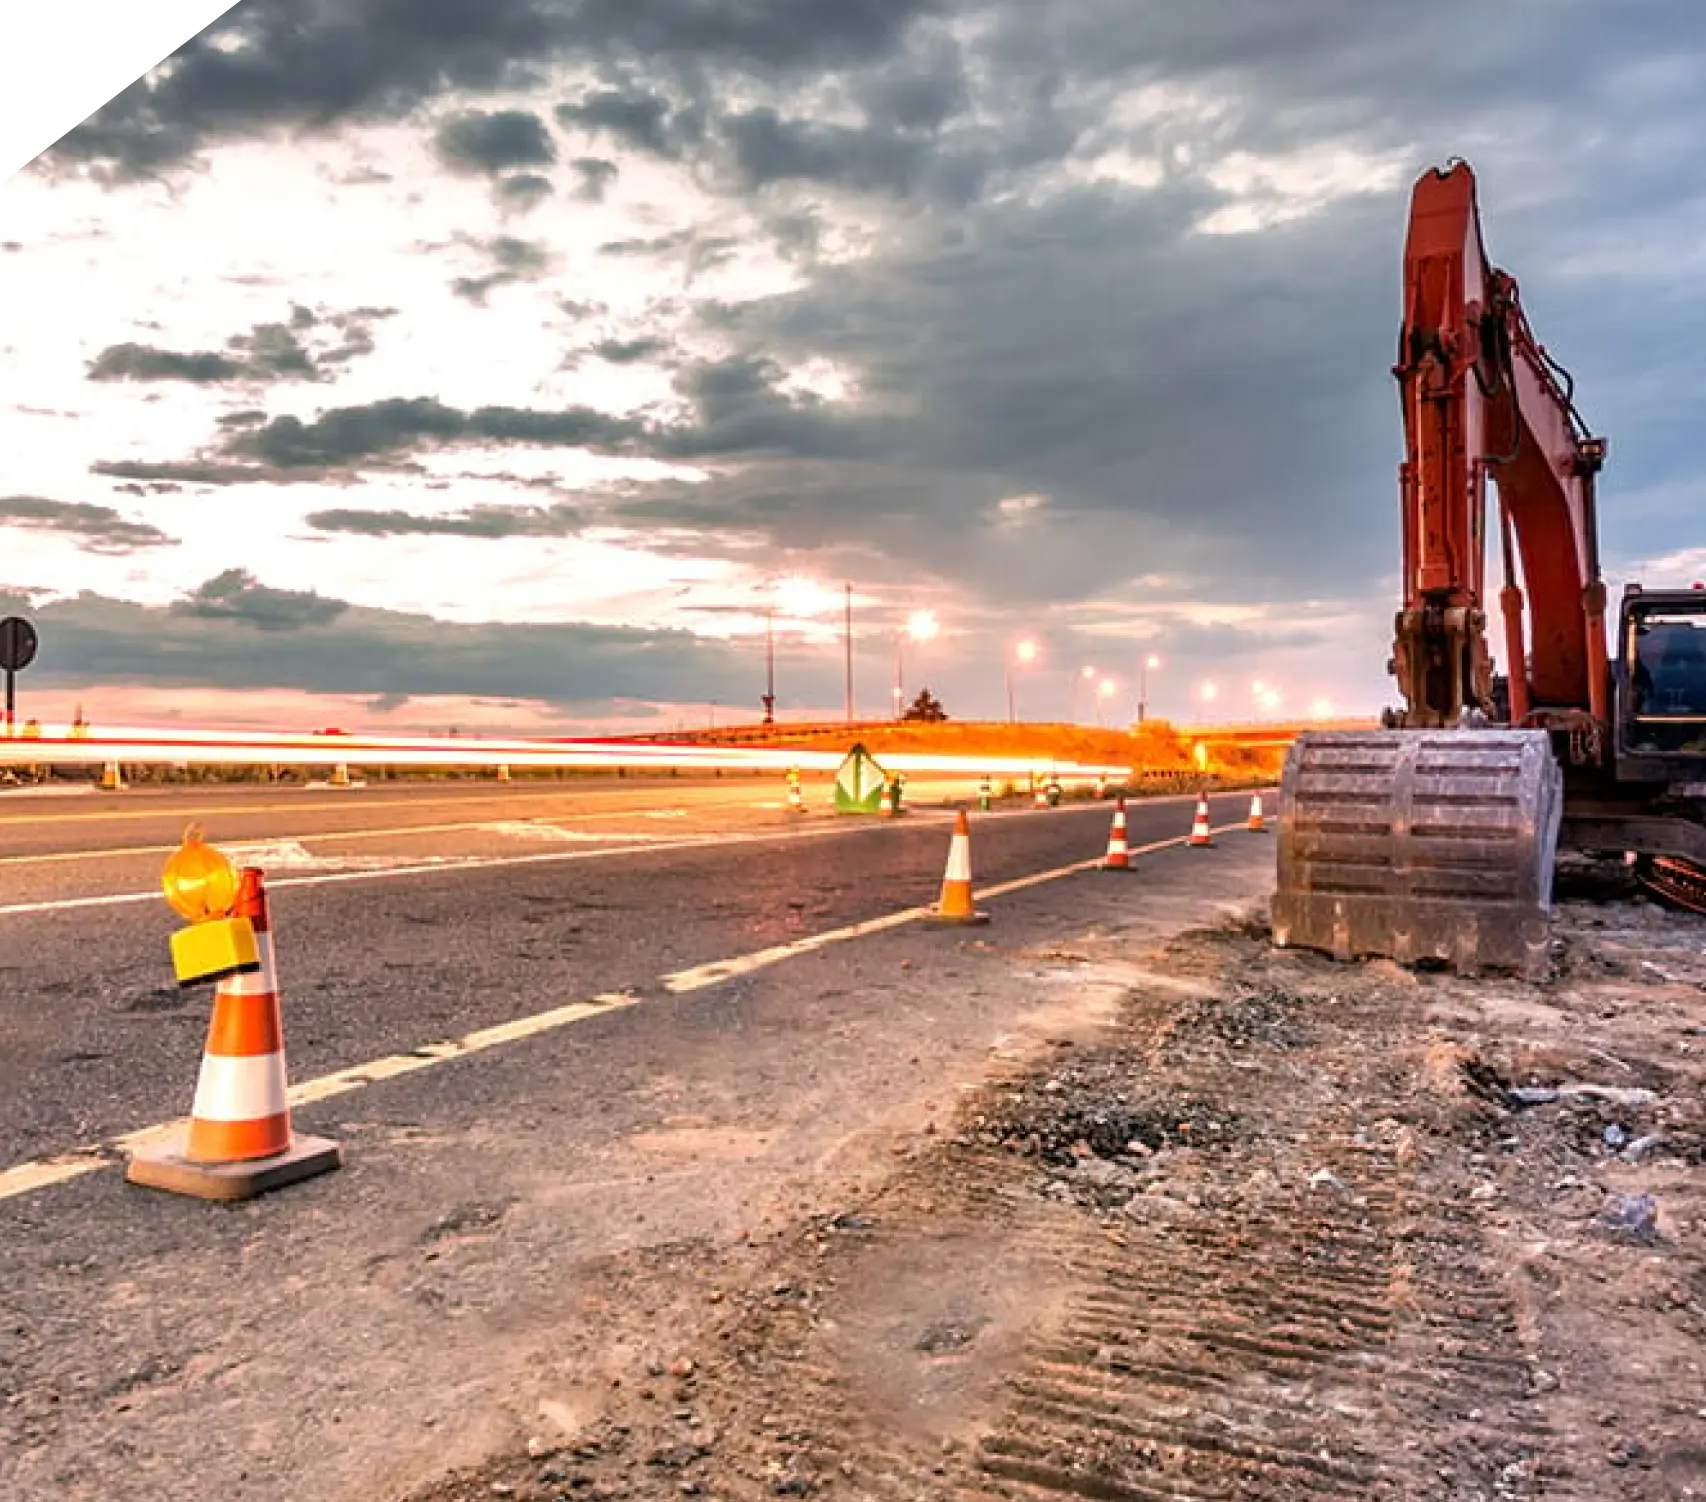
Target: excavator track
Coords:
[[1678, 883], [1420, 845]]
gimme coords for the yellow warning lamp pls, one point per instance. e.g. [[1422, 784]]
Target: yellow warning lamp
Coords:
[[201, 885]]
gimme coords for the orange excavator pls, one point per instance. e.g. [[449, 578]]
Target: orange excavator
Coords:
[[1435, 838]]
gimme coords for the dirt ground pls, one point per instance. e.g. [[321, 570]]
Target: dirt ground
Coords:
[[1287, 1229]]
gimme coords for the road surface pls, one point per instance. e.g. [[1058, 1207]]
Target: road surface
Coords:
[[764, 1023]]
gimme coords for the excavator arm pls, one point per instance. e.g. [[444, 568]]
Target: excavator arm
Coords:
[[1482, 399], [1435, 837]]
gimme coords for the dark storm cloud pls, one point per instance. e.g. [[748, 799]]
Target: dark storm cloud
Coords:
[[639, 119], [515, 260], [140, 362], [729, 408], [100, 529], [522, 191], [596, 175], [237, 596], [480, 141], [697, 251], [308, 347], [208, 472], [226, 634], [1148, 385], [317, 65], [629, 351], [770, 149], [351, 436], [493, 521]]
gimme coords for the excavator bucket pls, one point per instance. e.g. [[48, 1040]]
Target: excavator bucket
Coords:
[[1420, 845]]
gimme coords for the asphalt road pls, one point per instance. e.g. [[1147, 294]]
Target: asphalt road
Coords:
[[404, 921], [389, 938]]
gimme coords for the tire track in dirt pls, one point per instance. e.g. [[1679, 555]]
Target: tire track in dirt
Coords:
[[1220, 1255]]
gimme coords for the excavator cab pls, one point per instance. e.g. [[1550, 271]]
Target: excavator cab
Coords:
[[1660, 685]]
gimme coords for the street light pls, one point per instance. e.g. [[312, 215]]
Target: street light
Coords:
[[1025, 651], [1209, 693], [1084, 676], [798, 599], [921, 625], [1104, 690], [1149, 662]]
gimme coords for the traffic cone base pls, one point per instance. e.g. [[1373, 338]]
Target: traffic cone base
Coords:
[[167, 1168]]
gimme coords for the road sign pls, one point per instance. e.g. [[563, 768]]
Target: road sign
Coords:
[[17, 644], [859, 784], [17, 652]]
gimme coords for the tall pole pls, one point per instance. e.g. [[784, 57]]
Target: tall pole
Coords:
[[847, 640], [899, 674], [1011, 717], [769, 664], [1142, 690]]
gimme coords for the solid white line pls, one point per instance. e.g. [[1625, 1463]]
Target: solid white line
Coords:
[[40, 1173]]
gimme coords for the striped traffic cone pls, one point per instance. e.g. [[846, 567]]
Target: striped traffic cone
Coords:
[[1256, 824], [1040, 798], [1119, 857], [112, 778], [1200, 835], [796, 797], [503, 772], [239, 1142], [340, 777], [956, 905]]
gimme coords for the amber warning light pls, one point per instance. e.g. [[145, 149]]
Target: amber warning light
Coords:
[[201, 885]]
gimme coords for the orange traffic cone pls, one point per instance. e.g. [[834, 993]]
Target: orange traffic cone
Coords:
[[796, 797], [239, 1142], [1200, 836], [956, 905], [1256, 824], [503, 772], [1040, 798], [112, 778], [340, 777], [1119, 857]]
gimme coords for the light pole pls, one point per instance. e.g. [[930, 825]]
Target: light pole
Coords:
[[1143, 686], [769, 664], [920, 626], [1104, 691], [1084, 676], [1025, 651], [847, 645]]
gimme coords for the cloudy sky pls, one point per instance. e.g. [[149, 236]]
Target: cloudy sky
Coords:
[[495, 362]]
